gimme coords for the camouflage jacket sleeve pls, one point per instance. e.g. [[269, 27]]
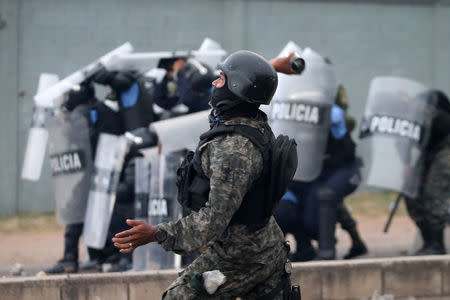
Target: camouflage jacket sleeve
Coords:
[[232, 163]]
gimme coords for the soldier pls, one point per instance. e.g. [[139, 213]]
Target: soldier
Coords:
[[224, 186], [430, 210]]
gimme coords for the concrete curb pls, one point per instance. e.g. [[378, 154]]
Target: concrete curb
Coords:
[[426, 277]]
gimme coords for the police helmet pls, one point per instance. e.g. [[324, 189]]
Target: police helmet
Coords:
[[199, 75], [440, 100], [250, 77]]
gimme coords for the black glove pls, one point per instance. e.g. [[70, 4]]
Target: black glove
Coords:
[[118, 81], [149, 139], [123, 80], [82, 96], [104, 76]]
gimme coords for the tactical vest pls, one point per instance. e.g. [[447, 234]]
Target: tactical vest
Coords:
[[136, 105], [193, 185]]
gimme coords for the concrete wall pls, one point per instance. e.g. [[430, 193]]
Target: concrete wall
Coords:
[[363, 39], [419, 277]]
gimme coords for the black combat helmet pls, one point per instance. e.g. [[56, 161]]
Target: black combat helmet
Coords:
[[250, 77]]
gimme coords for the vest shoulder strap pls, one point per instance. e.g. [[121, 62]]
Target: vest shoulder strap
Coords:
[[259, 139]]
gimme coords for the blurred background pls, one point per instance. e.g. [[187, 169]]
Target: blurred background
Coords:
[[363, 39]]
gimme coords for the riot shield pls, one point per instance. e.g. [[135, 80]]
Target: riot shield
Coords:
[[394, 130], [109, 159], [210, 53], [163, 205], [48, 96], [182, 132], [71, 163], [301, 109], [38, 134], [141, 192]]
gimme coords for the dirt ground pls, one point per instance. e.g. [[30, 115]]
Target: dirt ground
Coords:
[[35, 250]]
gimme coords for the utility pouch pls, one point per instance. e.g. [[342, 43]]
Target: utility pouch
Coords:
[[184, 176]]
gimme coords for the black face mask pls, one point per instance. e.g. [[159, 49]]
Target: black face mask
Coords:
[[223, 98], [226, 105]]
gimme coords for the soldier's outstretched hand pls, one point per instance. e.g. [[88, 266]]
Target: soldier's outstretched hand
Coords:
[[139, 234]]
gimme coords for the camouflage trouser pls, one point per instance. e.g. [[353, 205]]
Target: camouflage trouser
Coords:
[[433, 205], [246, 281]]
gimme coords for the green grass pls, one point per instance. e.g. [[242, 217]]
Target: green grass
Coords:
[[29, 222], [361, 204]]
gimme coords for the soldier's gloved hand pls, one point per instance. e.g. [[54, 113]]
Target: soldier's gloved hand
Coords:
[[79, 96], [140, 234]]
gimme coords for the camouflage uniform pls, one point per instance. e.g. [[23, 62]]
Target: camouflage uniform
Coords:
[[433, 203], [430, 209], [252, 262]]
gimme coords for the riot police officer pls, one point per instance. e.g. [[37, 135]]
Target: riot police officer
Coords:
[[307, 206], [133, 92], [77, 101], [187, 82], [101, 118], [223, 184]]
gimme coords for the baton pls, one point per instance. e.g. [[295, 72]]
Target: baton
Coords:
[[393, 210]]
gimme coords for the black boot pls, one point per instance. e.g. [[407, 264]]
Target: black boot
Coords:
[[358, 247], [69, 263], [305, 250], [433, 240], [349, 224], [94, 264], [305, 253], [438, 240], [63, 266]]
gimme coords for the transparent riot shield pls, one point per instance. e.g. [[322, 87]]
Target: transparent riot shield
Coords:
[[141, 194], [210, 53], [188, 129], [71, 163], [394, 130], [38, 134], [109, 159], [301, 109], [163, 205]]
